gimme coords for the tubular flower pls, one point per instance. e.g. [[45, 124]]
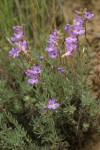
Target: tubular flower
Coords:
[[19, 41], [52, 104], [33, 74], [52, 44], [88, 15]]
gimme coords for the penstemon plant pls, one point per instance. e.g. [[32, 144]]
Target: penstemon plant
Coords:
[[58, 105]]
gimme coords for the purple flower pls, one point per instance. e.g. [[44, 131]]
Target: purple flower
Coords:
[[18, 29], [78, 29], [29, 72], [14, 52], [41, 58], [53, 54], [68, 27], [33, 80], [37, 69], [50, 49], [13, 39], [18, 41], [55, 32], [79, 20], [17, 37], [71, 42], [22, 45], [72, 34], [44, 107], [52, 44], [53, 37], [71, 46], [52, 104], [61, 70], [68, 53], [88, 15], [70, 39], [32, 73]]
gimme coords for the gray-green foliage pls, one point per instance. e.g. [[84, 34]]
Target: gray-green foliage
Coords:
[[12, 135]]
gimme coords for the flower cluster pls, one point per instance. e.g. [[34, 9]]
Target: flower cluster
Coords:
[[33, 74], [61, 70], [52, 104], [18, 41], [75, 30], [52, 44]]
